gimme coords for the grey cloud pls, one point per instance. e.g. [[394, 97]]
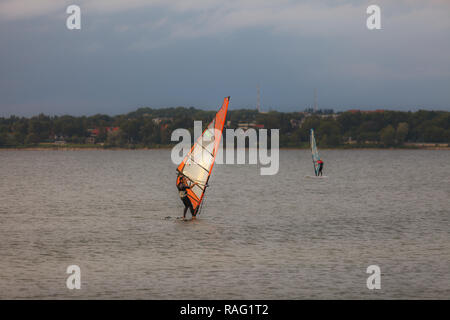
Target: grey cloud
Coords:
[[168, 53]]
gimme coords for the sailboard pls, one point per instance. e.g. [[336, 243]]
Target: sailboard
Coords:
[[316, 177], [315, 153], [198, 164]]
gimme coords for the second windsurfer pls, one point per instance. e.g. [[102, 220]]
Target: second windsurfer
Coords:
[[320, 163]]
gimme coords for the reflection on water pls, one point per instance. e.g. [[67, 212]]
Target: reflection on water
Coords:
[[271, 237]]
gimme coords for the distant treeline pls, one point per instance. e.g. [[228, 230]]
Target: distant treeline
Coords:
[[153, 127]]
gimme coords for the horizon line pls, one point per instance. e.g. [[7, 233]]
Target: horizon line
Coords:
[[206, 109]]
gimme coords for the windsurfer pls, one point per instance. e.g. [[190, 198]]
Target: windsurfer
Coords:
[[320, 163], [183, 187]]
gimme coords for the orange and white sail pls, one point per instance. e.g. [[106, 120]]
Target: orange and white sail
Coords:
[[199, 162]]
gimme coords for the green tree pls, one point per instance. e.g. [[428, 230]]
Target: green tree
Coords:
[[434, 134], [369, 131], [32, 138], [147, 132], [402, 132], [330, 132], [102, 135], [131, 130], [387, 135], [3, 139], [116, 139], [39, 127]]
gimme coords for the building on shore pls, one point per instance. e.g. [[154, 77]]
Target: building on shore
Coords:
[[94, 133], [247, 125]]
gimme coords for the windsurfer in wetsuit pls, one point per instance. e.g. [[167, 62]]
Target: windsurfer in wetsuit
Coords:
[[320, 163], [183, 188]]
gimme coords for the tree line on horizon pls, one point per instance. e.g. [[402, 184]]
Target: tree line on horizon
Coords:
[[153, 127]]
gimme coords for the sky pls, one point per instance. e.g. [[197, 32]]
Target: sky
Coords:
[[169, 53]]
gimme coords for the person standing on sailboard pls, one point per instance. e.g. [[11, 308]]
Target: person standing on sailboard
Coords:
[[320, 163], [183, 188]]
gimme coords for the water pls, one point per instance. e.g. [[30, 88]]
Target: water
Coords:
[[260, 237]]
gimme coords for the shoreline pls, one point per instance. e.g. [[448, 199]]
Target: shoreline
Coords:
[[101, 148]]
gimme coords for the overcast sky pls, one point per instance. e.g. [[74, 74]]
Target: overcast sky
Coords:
[[135, 53]]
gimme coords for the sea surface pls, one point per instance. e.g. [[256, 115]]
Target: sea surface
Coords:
[[286, 236]]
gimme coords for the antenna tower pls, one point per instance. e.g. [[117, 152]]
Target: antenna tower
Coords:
[[258, 99], [315, 100]]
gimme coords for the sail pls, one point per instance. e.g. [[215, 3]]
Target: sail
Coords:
[[198, 163], [315, 153]]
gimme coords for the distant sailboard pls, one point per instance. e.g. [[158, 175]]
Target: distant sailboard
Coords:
[[198, 164], [317, 177]]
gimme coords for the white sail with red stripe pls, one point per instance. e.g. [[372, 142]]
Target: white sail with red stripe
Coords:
[[198, 164]]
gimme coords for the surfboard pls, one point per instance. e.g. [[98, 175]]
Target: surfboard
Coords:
[[316, 177]]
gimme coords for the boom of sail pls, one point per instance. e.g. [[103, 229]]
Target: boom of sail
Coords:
[[199, 162], [315, 153]]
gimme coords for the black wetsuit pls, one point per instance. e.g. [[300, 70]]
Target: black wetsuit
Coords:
[[182, 188]]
